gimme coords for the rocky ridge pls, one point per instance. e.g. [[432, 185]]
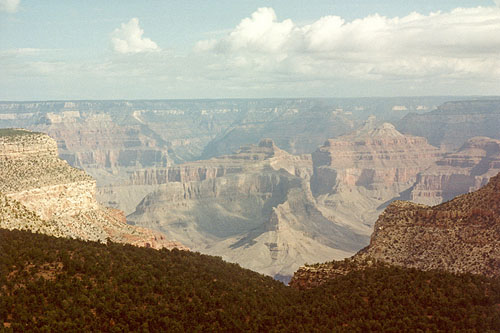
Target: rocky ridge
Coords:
[[41, 193], [357, 174], [460, 172], [461, 235], [450, 125]]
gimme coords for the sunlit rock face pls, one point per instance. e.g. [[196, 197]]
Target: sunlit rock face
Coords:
[[355, 175], [253, 207], [458, 236], [460, 172], [42, 193]]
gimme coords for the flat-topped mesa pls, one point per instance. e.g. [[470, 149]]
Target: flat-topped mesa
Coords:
[[453, 123], [29, 162], [266, 149], [458, 236], [183, 173], [371, 157], [460, 172], [21, 143], [247, 156], [42, 193]]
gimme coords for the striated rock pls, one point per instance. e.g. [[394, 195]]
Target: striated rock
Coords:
[[96, 143], [457, 173], [459, 236], [253, 207], [357, 174], [41, 193], [453, 123]]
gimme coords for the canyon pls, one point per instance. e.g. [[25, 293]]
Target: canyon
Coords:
[[451, 124], [463, 171], [253, 207], [459, 236], [269, 184], [356, 175], [42, 193], [262, 202]]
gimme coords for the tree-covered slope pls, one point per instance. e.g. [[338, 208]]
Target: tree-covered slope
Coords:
[[56, 284]]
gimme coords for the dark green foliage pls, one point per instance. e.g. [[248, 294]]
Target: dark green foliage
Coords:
[[8, 132], [56, 284]]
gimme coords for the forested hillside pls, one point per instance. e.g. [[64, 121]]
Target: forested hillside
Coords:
[[55, 284]]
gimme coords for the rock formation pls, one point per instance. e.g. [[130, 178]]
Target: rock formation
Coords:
[[453, 123], [253, 207], [42, 193], [457, 173], [357, 174], [461, 235]]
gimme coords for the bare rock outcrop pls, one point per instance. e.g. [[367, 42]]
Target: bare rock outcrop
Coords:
[[42, 193], [356, 175], [459, 236], [450, 125], [253, 207], [463, 171]]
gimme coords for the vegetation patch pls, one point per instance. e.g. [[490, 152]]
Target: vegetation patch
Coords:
[[56, 284]]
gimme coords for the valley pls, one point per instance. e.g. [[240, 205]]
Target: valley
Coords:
[[269, 184]]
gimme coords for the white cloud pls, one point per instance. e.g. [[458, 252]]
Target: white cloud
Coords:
[[463, 43], [9, 6], [128, 39]]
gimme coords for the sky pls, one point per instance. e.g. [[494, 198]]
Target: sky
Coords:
[[152, 49]]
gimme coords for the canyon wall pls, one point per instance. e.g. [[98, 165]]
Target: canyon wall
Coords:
[[253, 207], [41, 192], [460, 172], [459, 236], [453, 123], [356, 175]]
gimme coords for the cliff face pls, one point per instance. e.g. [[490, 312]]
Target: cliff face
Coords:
[[461, 235], [95, 142], [357, 174], [253, 207], [453, 123], [37, 183], [457, 173]]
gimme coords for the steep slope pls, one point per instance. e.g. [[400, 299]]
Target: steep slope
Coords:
[[453, 123], [253, 207], [463, 171], [56, 284], [357, 174], [42, 193], [461, 235]]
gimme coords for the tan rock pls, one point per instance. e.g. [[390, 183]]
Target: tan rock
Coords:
[[41, 193]]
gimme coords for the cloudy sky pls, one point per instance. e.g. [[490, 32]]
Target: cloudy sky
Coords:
[[115, 49]]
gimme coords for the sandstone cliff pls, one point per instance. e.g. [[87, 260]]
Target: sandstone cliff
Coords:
[[41, 193], [253, 207], [457, 173], [357, 174], [461, 235]]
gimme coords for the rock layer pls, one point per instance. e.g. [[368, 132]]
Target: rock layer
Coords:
[[253, 207], [42, 193], [357, 174], [457, 173], [459, 236], [453, 123]]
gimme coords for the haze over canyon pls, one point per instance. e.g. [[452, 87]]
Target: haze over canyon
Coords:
[[268, 183]]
